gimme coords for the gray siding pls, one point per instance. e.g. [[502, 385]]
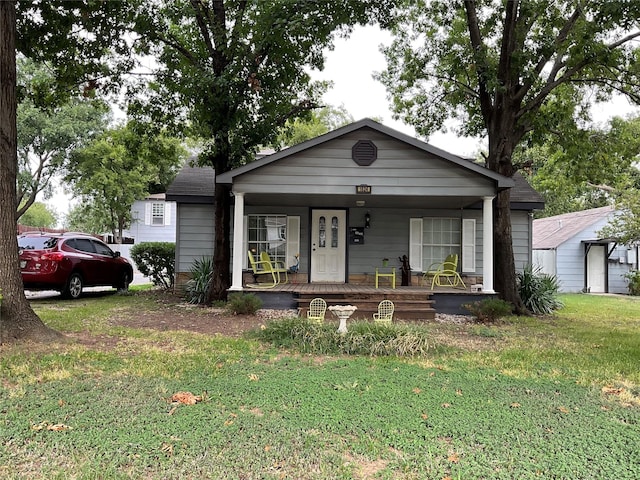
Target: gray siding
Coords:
[[521, 231], [400, 169], [195, 234]]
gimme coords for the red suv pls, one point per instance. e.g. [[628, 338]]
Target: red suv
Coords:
[[69, 262]]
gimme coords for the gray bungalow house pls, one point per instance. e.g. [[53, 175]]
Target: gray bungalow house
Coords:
[[570, 247], [338, 205]]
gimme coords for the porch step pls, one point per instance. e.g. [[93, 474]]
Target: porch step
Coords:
[[408, 306]]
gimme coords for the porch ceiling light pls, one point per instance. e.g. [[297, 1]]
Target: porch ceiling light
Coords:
[[360, 203]]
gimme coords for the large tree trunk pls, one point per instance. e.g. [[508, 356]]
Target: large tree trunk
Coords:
[[222, 246], [502, 141], [505, 282], [18, 321]]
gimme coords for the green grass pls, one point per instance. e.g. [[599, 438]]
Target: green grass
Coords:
[[521, 399]]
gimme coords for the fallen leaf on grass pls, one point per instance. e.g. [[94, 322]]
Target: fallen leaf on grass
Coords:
[[186, 398], [563, 409], [416, 391], [454, 458], [445, 405], [608, 390], [58, 427], [167, 448], [253, 377], [515, 405]]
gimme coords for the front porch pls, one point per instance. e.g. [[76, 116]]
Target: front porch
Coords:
[[412, 303]]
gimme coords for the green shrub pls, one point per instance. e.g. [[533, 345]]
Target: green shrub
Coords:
[[633, 277], [538, 291], [156, 260], [201, 274], [490, 309], [244, 303], [362, 338]]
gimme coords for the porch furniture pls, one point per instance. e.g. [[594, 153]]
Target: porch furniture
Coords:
[[385, 312], [444, 274], [317, 308], [277, 266], [386, 272], [343, 312], [261, 267]]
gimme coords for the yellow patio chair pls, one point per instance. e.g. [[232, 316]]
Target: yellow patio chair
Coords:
[[385, 312], [277, 267], [444, 274], [317, 309], [261, 267]]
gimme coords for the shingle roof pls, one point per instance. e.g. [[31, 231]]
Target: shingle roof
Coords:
[[523, 194], [551, 232], [193, 185]]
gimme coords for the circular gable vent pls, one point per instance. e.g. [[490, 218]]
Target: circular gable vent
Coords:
[[364, 152]]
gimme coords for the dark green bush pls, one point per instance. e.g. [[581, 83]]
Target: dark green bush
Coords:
[[156, 260], [634, 281], [244, 303], [490, 309], [538, 291], [201, 273]]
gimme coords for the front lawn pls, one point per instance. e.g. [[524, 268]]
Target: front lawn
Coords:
[[528, 398]]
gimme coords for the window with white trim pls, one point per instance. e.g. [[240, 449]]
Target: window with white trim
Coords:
[[157, 214], [268, 233], [439, 238], [431, 239]]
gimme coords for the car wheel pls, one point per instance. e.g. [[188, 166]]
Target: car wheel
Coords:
[[74, 287], [125, 281]]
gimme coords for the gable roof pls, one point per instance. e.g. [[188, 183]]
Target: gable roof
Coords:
[[551, 232], [501, 181]]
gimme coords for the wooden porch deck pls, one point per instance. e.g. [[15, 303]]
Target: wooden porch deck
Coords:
[[411, 302]]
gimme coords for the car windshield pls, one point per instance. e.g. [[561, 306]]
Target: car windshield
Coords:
[[37, 243]]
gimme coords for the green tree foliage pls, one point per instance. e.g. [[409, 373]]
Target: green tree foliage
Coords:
[[117, 168], [48, 135], [235, 72], [625, 225], [313, 124], [584, 167], [88, 217], [512, 71], [39, 215]]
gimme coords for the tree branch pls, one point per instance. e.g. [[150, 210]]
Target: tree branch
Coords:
[[201, 13], [479, 57]]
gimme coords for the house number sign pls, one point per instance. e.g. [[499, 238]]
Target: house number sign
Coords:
[[363, 188]]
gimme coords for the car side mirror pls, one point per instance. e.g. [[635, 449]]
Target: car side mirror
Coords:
[[116, 254]]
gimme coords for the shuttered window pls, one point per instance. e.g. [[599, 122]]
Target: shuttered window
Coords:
[[431, 239]]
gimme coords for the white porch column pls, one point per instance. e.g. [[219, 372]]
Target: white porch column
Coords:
[[487, 244], [238, 241]]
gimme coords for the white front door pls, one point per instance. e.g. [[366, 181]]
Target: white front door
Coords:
[[328, 245], [596, 269]]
